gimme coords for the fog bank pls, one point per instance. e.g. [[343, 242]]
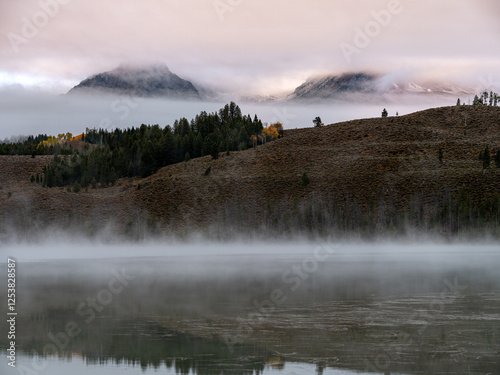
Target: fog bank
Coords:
[[32, 113]]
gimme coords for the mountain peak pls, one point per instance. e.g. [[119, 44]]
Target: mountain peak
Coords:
[[366, 86], [151, 80], [323, 87]]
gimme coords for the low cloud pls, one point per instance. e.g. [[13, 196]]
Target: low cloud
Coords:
[[257, 47]]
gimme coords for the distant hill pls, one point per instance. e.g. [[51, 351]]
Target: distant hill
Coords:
[[145, 81], [334, 86], [362, 86]]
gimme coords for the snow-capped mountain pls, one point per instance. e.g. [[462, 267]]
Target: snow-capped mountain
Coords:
[[365, 86]]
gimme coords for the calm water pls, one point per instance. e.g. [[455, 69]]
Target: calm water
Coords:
[[255, 308], [78, 365]]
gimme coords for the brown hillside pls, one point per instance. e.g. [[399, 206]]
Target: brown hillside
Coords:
[[26, 208], [391, 159], [355, 167]]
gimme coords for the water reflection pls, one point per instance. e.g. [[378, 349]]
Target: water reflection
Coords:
[[410, 313], [76, 365], [130, 344]]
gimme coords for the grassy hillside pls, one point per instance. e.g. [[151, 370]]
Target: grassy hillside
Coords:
[[366, 177]]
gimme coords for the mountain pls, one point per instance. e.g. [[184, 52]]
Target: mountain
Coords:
[[145, 81], [367, 86], [331, 86]]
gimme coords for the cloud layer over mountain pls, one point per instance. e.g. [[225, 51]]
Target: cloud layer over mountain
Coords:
[[257, 47]]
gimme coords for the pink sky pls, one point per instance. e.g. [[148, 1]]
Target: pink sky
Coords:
[[256, 46]]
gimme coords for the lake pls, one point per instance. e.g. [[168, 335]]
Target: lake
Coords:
[[254, 308]]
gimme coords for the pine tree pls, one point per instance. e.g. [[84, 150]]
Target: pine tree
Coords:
[[317, 122], [458, 101], [211, 146], [112, 176], [305, 179], [486, 157], [440, 155], [148, 162], [385, 113]]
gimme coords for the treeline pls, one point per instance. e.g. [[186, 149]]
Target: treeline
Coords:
[[443, 213], [491, 99], [35, 145], [109, 155]]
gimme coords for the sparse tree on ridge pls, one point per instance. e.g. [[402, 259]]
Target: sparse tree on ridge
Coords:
[[317, 122], [385, 113]]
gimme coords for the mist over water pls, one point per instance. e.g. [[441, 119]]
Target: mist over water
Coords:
[[301, 307], [66, 247]]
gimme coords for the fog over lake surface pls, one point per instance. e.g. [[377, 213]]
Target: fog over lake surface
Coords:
[[256, 307]]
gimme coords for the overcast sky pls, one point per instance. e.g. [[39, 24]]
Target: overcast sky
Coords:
[[259, 46]]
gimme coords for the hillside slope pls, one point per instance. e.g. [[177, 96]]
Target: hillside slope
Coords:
[[370, 176], [355, 168]]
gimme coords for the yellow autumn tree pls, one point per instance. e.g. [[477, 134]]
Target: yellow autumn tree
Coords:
[[273, 132], [279, 128], [49, 141], [269, 133], [254, 139], [65, 137], [266, 133]]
